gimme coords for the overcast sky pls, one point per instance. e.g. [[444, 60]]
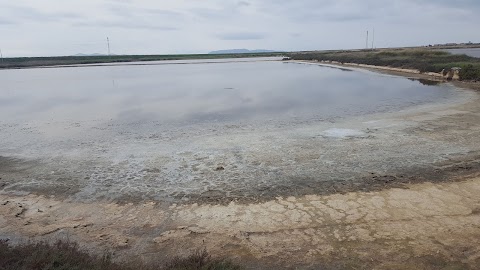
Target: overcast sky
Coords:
[[60, 27]]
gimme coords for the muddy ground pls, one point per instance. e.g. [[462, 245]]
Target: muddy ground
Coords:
[[396, 190]]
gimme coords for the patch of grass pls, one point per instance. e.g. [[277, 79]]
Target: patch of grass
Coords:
[[424, 60], [58, 256], [64, 255], [200, 260]]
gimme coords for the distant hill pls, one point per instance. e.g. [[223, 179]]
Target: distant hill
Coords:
[[234, 51], [91, 54]]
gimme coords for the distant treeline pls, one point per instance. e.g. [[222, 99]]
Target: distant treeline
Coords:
[[24, 62], [424, 60]]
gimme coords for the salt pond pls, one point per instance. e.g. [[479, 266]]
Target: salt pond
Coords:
[[179, 131]]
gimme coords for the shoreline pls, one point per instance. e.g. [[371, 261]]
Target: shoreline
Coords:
[[80, 61], [154, 63], [407, 73], [428, 219]]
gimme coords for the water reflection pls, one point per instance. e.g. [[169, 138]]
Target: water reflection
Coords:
[[202, 93], [473, 52], [426, 81], [323, 65]]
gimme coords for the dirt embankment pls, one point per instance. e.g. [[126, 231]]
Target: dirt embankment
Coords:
[[427, 226]]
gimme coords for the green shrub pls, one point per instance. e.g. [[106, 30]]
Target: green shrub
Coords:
[[470, 72], [58, 256], [64, 255], [200, 260]]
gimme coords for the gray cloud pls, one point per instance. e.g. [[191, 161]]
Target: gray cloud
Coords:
[[57, 27], [326, 10], [243, 3], [125, 25], [210, 14], [162, 12], [241, 36], [130, 12], [21, 14], [6, 22]]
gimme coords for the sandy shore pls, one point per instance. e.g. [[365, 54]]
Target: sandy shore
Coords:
[[423, 217]]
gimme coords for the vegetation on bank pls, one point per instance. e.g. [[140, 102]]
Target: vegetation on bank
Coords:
[[63, 255], [24, 62], [424, 60]]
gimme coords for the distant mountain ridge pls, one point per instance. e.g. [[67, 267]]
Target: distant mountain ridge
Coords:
[[91, 54], [233, 51]]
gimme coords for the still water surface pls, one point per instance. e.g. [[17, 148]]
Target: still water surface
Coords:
[[473, 52], [198, 93]]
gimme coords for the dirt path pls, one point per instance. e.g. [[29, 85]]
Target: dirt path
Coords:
[[426, 225]]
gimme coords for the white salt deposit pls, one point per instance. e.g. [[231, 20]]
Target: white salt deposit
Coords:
[[342, 133]]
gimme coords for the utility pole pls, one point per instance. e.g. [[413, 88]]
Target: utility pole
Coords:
[[108, 45], [366, 47], [1, 55], [373, 39]]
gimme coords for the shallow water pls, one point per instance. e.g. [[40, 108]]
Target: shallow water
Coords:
[[186, 94], [473, 52]]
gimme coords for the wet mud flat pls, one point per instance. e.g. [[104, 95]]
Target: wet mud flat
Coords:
[[247, 163]]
